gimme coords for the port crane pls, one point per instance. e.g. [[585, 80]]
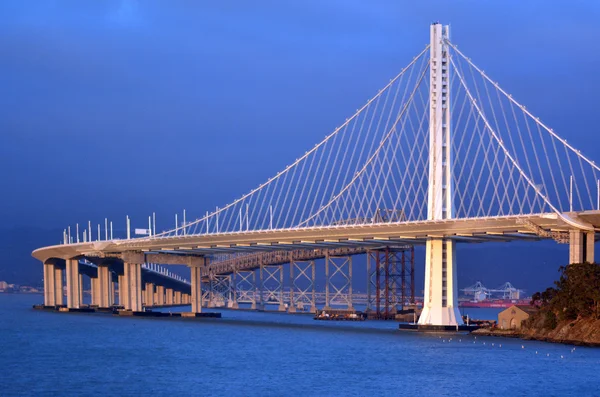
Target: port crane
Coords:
[[505, 291]]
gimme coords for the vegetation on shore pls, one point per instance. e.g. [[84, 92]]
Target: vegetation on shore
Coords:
[[569, 311], [576, 296]]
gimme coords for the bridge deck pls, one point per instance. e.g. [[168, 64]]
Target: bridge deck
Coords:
[[369, 235]]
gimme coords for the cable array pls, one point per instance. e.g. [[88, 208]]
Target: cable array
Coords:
[[329, 184], [507, 162], [374, 167]]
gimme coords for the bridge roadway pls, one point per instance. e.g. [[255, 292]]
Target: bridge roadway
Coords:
[[502, 228]]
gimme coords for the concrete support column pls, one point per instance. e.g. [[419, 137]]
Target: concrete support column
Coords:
[[196, 290], [58, 287], [149, 294], [95, 290], [177, 298], [80, 289], [104, 282], [49, 286], [440, 305], [112, 292], [169, 297], [73, 284], [581, 246], [160, 299], [123, 291], [133, 280]]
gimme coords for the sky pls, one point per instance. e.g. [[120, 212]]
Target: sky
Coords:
[[114, 108]]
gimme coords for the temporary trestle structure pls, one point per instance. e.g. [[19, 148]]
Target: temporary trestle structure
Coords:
[[271, 281], [245, 287], [338, 281], [302, 285], [391, 276], [220, 291]]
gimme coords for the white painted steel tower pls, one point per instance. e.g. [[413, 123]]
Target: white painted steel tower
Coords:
[[440, 306]]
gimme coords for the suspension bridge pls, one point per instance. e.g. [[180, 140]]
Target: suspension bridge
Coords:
[[441, 155]]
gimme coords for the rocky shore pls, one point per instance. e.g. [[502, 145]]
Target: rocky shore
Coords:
[[581, 332]]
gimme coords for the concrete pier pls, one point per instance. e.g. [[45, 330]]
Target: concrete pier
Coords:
[[581, 246], [441, 291], [112, 292], [95, 289], [196, 290], [177, 298], [133, 281], [80, 289], [160, 298], [104, 287], [149, 294], [49, 288], [169, 296], [58, 286], [123, 290], [73, 284]]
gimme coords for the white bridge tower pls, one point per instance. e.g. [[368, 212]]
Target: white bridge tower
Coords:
[[440, 306]]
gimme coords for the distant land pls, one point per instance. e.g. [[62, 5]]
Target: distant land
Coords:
[[532, 266]]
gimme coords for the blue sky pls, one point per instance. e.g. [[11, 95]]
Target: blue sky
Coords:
[[114, 108]]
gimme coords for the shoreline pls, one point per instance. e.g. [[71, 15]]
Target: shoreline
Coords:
[[524, 336]]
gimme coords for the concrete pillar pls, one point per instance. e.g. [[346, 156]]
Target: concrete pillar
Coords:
[[133, 280], [160, 299], [103, 285], [169, 296], [123, 291], [196, 290], [80, 289], [177, 298], [73, 284], [95, 289], [149, 294], [581, 246], [58, 287], [112, 292], [49, 286], [590, 240], [440, 305]]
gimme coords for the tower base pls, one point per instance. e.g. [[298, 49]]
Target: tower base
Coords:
[[440, 316], [438, 328]]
